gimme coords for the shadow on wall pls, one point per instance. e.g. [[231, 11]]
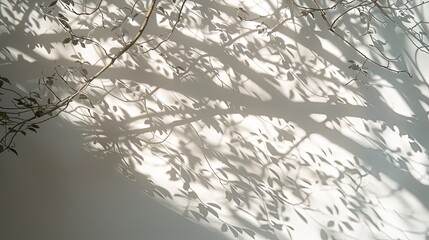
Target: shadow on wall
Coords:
[[248, 123], [55, 190]]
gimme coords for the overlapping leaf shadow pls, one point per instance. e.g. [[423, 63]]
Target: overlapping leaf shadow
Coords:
[[249, 124]]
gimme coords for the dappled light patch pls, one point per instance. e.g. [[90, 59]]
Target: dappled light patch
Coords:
[[262, 119]]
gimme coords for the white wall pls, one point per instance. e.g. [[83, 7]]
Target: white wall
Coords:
[[55, 190], [352, 159]]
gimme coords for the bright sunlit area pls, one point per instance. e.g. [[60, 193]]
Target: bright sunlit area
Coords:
[[180, 119]]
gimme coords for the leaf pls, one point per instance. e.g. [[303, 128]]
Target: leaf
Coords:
[[197, 215], [323, 235], [31, 129], [249, 232], [62, 17], [67, 40], [212, 211], [301, 216], [32, 100], [52, 3], [159, 193], [185, 175], [236, 200], [243, 10], [114, 28], [228, 195], [331, 223], [84, 71], [223, 172], [238, 229], [214, 205], [415, 147], [270, 182], [348, 226], [4, 79], [39, 113], [278, 226], [223, 37], [224, 227], [192, 195], [272, 149], [379, 45], [66, 25], [233, 231], [354, 67], [160, 105], [290, 76], [180, 68], [203, 210], [14, 151], [161, 9], [82, 96], [291, 46]]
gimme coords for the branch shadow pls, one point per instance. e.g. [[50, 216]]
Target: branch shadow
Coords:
[[256, 127]]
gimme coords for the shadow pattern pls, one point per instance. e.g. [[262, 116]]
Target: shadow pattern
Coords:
[[264, 118]]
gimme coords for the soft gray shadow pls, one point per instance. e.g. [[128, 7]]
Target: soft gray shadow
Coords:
[[55, 190]]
